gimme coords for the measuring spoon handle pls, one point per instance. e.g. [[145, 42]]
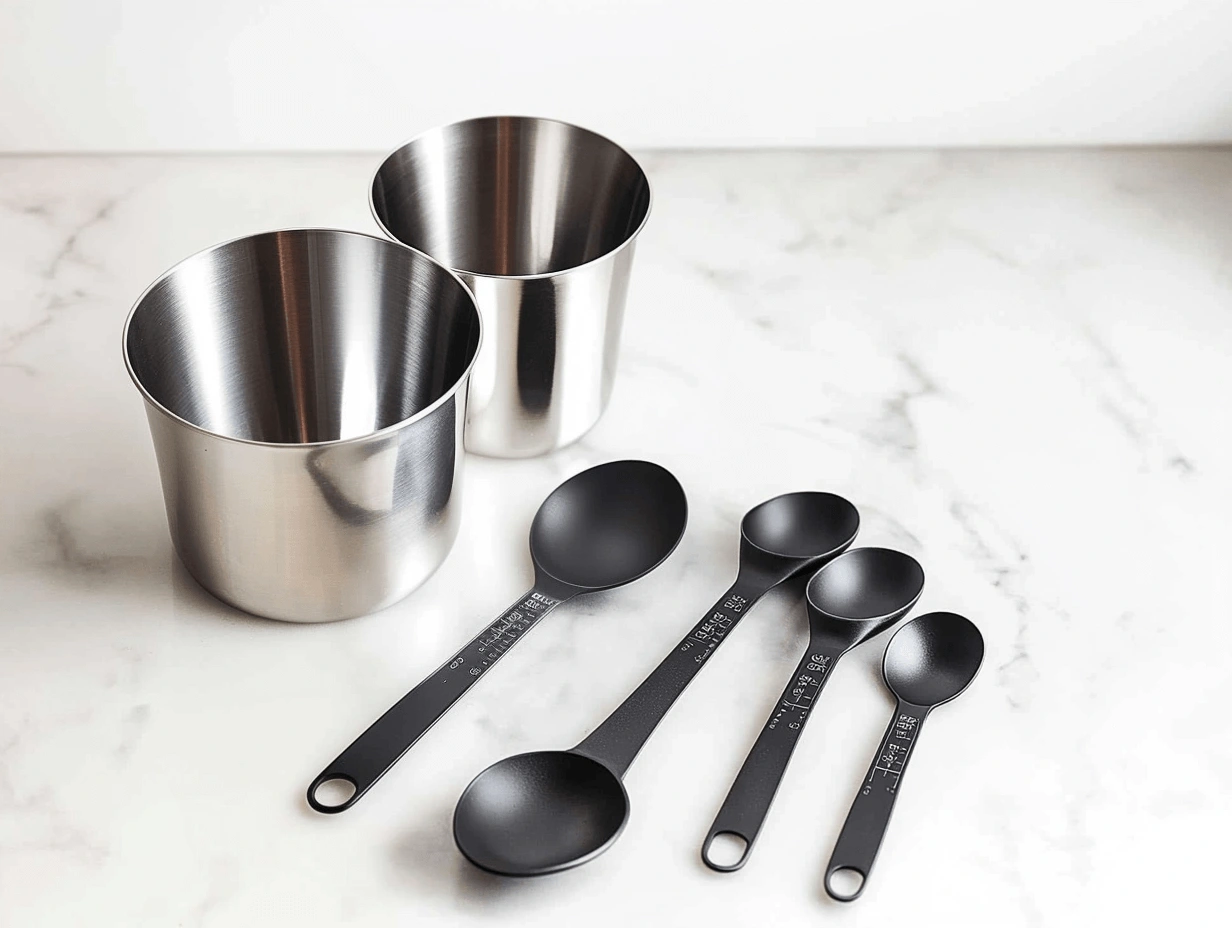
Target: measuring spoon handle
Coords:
[[617, 741], [866, 824], [748, 801], [393, 734]]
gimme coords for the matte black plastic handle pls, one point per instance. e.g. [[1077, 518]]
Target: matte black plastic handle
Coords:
[[748, 801], [393, 734], [860, 839], [617, 741]]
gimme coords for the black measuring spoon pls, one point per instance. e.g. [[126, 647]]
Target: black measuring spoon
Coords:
[[856, 596], [602, 528], [548, 811], [929, 661]]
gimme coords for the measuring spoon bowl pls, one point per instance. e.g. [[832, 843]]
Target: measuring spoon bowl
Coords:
[[602, 528], [801, 526], [860, 595], [548, 811], [537, 813], [608, 525], [933, 659]]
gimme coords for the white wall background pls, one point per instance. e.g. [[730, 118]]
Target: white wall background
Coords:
[[364, 74]]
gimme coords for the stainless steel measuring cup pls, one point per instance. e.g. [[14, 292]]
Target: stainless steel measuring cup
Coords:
[[539, 218], [305, 391]]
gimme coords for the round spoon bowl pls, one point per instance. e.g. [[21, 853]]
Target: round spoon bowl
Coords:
[[802, 525], [538, 813], [867, 584], [609, 525], [933, 658]]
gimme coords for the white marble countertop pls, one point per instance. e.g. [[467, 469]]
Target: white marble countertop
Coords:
[[1015, 364]]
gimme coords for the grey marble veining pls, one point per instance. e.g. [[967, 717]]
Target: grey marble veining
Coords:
[[1015, 364]]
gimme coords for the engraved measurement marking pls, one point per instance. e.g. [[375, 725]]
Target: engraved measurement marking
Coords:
[[802, 693], [892, 757], [500, 637], [709, 633]]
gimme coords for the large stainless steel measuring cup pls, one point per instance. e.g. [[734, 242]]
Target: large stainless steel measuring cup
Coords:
[[539, 218], [306, 391]]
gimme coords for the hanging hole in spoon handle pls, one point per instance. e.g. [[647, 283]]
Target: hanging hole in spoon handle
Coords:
[[725, 851], [844, 884], [748, 801], [332, 793], [395, 732], [860, 839]]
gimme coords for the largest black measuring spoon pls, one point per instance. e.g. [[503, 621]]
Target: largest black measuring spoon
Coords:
[[547, 811], [602, 528]]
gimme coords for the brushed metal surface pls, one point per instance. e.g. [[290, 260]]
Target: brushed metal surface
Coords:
[[305, 391], [540, 219]]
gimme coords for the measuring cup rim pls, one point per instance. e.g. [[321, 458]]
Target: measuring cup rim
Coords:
[[625, 243], [299, 446]]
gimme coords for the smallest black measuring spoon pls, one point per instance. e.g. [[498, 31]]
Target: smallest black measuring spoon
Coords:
[[856, 596], [928, 662]]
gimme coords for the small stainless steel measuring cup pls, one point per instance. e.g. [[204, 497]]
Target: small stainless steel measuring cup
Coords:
[[539, 218]]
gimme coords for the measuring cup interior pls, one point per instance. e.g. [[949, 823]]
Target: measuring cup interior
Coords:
[[511, 195], [299, 336]]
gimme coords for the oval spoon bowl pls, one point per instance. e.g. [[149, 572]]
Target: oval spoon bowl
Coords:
[[809, 524], [933, 659], [609, 525], [866, 584], [526, 797]]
